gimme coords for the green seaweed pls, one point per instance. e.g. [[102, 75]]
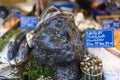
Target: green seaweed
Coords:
[[36, 71], [7, 37]]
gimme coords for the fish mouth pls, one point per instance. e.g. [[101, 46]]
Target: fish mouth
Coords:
[[29, 37]]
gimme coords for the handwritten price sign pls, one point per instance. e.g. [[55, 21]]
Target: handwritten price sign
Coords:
[[99, 38], [111, 24], [28, 22]]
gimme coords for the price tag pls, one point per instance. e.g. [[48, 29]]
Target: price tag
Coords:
[[99, 38], [16, 13], [28, 22], [111, 24]]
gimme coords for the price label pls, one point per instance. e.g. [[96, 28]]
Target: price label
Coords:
[[28, 22], [111, 24], [16, 13], [99, 38]]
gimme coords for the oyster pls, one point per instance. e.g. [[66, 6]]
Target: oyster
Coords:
[[57, 43]]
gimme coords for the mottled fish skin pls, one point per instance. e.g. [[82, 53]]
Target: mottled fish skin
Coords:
[[14, 44], [23, 53]]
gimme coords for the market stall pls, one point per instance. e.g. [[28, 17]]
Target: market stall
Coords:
[[57, 41]]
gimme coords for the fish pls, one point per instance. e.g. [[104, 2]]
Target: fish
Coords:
[[14, 44], [6, 72], [23, 53]]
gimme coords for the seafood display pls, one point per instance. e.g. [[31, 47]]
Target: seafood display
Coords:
[[58, 44], [55, 43]]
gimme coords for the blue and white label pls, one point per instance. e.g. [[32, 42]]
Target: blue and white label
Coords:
[[28, 21], [16, 13], [111, 24], [99, 38]]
